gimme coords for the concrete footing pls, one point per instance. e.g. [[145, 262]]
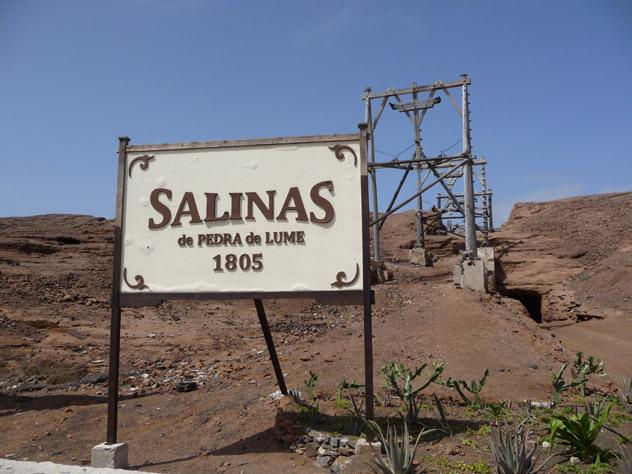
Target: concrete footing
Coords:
[[480, 274], [420, 256], [113, 456], [488, 256]]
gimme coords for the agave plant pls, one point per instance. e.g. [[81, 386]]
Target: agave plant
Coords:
[[625, 464], [400, 454], [625, 394], [297, 397], [512, 454], [355, 419]]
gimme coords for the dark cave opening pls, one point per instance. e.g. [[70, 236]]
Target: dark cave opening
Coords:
[[531, 300]]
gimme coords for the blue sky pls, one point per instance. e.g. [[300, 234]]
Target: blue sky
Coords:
[[551, 86]]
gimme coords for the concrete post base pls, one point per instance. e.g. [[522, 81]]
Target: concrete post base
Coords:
[[110, 455], [470, 274], [488, 256], [420, 256], [479, 275]]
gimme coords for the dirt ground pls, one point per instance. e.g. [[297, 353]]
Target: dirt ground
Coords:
[[55, 273]]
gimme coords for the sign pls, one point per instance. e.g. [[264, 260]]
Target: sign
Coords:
[[267, 218], [250, 218]]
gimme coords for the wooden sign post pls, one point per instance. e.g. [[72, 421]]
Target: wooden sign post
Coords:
[[257, 219]]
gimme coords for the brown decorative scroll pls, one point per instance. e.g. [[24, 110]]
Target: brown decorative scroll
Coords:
[[140, 281], [341, 276], [338, 150], [145, 159]]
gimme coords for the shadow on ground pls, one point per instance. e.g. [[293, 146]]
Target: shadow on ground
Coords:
[[10, 404]]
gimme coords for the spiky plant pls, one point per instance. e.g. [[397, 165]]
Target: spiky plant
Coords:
[[560, 385], [400, 453], [625, 394], [583, 368], [512, 454], [596, 408], [473, 387], [355, 420], [590, 365], [400, 380], [446, 428], [346, 385], [625, 464], [310, 383], [297, 397]]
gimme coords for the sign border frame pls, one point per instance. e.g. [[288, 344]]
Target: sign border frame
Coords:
[[334, 296]]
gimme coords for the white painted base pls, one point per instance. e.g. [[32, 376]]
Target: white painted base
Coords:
[[110, 455]]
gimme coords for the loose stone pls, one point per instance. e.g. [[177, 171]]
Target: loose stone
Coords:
[[311, 449], [323, 461], [364, 447]]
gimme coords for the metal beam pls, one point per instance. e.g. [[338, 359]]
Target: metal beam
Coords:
[[420, 88], [422, 159], [443, 162], [468, 185], [416, 105], [396, 193], [397, 98], [453, 102], [419, 224], [414, 196], [447, 190], [377, 250], [379, 113]]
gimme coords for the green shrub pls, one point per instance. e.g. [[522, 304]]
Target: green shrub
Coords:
[[578, 434]]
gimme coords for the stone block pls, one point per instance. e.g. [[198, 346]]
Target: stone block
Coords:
[[420, 256], [110, 455]]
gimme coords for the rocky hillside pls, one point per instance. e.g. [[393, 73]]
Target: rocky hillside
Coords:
[[575, 253]]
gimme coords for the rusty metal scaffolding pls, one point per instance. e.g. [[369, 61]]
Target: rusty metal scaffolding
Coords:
[[443, 170]]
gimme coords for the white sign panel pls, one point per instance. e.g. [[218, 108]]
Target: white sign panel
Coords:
[[247, 217]]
